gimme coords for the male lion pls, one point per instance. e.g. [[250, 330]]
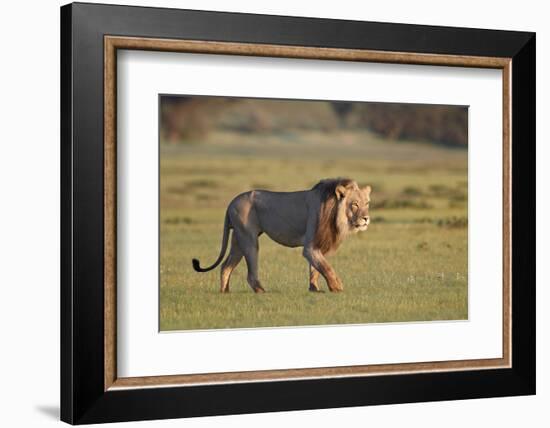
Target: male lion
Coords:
[[318, 220]]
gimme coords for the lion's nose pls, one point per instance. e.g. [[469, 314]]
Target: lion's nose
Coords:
[[367, 219]]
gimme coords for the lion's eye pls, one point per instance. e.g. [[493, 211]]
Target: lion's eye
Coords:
[[355, 204]]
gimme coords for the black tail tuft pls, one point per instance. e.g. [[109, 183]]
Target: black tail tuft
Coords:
[[225, 238]]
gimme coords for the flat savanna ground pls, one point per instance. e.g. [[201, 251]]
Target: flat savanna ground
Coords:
[[411, 265]]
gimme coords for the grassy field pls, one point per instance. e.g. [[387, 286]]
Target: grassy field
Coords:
[[411, 265]]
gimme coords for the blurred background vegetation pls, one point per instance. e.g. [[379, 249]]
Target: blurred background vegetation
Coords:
[[412, 263], [187, 119]]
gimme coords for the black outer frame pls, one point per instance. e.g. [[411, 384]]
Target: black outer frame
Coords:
[[83, 399]]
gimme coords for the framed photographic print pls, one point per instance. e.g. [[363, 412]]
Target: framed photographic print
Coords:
[[265, 213]]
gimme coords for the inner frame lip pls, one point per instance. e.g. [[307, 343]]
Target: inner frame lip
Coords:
[[113, 43]]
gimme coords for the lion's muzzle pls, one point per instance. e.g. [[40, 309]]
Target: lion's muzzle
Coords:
[[362, 224]]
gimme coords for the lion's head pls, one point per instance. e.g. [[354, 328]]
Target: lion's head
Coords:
[[353, 207], [344, 209]]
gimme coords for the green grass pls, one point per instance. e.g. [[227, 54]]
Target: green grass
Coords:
[[411, 265]]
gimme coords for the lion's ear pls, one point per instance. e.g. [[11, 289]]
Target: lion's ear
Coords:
[[340, 191], [367, 189]]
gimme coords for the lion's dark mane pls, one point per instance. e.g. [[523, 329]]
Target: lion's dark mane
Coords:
[[327, 234]]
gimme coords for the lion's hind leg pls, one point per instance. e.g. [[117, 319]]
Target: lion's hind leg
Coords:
[[233, 259], [251, 257], [246, 230], [249, 246]]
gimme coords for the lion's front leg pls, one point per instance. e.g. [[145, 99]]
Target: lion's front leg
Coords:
[[313, 279], [321, 264]]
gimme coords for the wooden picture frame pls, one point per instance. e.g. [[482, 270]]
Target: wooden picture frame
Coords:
[[91, 390]]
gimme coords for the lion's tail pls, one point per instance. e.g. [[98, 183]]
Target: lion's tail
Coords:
[[225, 239]]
